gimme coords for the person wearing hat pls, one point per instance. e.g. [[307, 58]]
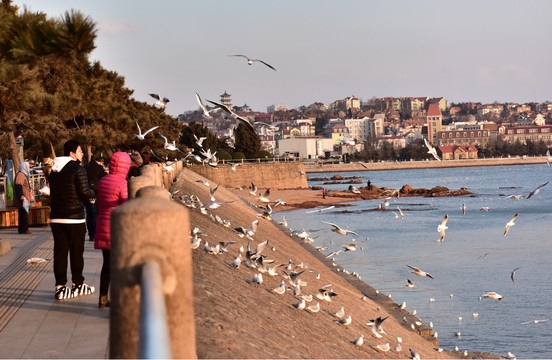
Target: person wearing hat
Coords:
[[136, 165]]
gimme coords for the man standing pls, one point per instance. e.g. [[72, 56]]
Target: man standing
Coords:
[[95, 171], [69, 191], [22, 193]]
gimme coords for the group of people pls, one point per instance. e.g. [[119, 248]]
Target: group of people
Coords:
[[74, 188]]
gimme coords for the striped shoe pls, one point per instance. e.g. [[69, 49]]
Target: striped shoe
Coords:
[[82, 289]]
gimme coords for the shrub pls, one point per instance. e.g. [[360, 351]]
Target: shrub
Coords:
[[224, 155], [238, 155]]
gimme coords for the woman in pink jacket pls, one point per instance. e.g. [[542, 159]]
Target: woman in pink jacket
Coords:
[[112, 192]]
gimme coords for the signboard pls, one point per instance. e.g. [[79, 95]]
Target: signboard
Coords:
[[19, 141]]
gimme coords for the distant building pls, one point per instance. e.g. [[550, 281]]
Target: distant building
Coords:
[[524, 133], [276, 107], [434, 121], [312, 147], [458, 152], [225, 99]]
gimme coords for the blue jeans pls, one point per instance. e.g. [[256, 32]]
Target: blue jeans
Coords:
[[91, 218]]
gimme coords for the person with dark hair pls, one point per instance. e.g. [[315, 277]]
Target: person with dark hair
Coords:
[[136, 165], [112, 192], [69, 191], [22, 194], [95, 171]]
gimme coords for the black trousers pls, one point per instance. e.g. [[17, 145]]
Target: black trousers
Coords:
[[91, 218], [68, 240], [105, 275], [23, 220]]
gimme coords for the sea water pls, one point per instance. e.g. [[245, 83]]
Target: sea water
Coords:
[[474, 258]]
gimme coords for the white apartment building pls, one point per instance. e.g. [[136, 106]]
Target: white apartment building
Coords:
[[276, 107], [311, 147]]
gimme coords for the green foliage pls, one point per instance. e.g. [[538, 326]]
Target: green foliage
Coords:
[[264, 154], [237, 155], [247, 141], [224, 155]]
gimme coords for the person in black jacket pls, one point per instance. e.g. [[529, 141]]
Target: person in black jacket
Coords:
[[69, 191], [95, 171]]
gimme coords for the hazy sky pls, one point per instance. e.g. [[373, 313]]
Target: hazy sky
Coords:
[[462, 50]]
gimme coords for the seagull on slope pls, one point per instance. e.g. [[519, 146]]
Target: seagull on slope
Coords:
[[442, 227], [509, 224], [339, 230], [141, 136], [161, 103], [536, 191], [251, 61], [432, 150], [232, 114], [419, 272]]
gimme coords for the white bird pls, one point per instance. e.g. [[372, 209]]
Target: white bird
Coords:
[[167, 145], [432, 150], [251, 61], [536, 191], [485, 208], [409, 283], [36, 260], [349, 247], [442, 227], [414, 355], [493, 295], [300, 305], [314, 308], [359, 340], [339, 230], [199, 141], [249, 231], [354, 189], [196, 241], [281, 289], [419, 272], [141, 136], [347, 321], [320, 210], [162, 103], [509, 224], [340, 313], [237, 261], [232, 114], [264, 196], [253, 189], [234, 166], [280, 202], [257, 279], [206, 113], [463, 209], [548, 158], [383, 347], [283, 222]]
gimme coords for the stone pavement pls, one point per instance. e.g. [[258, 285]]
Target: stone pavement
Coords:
[[35, 325]]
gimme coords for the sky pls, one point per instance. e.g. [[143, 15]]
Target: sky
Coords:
[[462, 50]]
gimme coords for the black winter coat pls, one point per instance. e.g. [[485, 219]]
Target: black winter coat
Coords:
[[95, 172], [68, 191]]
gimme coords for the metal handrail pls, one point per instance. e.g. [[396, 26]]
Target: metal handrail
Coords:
[[154, 332]]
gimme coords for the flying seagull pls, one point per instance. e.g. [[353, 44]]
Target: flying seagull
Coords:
[[432, 150], [509, 224], [251, 61], [493, 295], [442, 227], [232, 114], [169, 146], [419, 272], [206, 113], [161, 103], [141, 136], [513, 273], [339, 230], [536, 191]]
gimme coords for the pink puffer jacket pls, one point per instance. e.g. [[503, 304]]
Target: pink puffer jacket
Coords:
[[112, 192]]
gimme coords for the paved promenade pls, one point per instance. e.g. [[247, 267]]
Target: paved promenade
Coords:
[[35, 325]]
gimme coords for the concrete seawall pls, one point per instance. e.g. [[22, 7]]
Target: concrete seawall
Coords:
[[375, 166], [271, 175]]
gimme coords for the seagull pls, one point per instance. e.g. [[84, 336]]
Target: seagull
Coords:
[[232, 114], [196, 241], [442, 227], [339, 230], [409, 283], [548, 158], [463, 209], [167, 145], [376, 323], [251, 61], [349, 247], [485, 208], [383, 347], [414, 355], [36, 260], [141, 136], [234, 166], [345, 321], [534, 321], [257, 279], [359, 340], [237, 261], [536, 191], [340, 313], [493, 295], [250, 231], [515, 197], [300, 305], [510, 223], [320, 210], [253, 189], [281, 289], [264, 196], [206, 113], [161, 103], [354, 189], [419, 272], [513, 273], [199, 141], [314, 308], [283, 222], [279, 202], [432, 150]]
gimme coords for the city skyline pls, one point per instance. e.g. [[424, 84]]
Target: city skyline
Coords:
[[322, 50]]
